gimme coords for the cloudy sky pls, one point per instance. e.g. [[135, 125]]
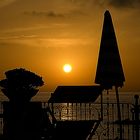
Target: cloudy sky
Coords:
[[43, 35]]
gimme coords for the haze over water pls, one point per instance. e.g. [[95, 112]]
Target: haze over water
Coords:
[[125, 97]]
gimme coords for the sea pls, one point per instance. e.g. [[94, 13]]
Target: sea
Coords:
[[125, 97], [127, 102]]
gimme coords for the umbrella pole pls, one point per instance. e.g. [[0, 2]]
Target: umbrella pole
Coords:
[[119, 111]]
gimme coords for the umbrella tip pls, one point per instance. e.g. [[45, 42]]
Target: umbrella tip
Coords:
[[107, 13]]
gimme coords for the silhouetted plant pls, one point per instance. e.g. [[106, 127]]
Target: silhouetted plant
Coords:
[[20, 84]]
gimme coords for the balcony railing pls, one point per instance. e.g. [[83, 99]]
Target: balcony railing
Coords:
[[108, 128]]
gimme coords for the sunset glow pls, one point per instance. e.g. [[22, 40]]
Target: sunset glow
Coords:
[[42, 36]]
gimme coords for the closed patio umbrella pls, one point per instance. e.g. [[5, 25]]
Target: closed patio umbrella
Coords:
[[109, 68]]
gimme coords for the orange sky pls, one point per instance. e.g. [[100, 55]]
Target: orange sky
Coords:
[[42, 36]]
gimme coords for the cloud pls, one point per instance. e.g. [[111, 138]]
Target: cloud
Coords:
[[114, 3], [18, 37], [53, 14], [44, 41], [44, 14], [6, 2], [124, 3], [4, 44]]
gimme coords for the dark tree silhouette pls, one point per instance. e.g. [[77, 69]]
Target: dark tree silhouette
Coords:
[[20, 84]]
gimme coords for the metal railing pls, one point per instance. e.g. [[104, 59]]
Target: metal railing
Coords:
[[108, 128]]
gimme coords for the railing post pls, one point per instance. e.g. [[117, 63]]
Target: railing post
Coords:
[[101, 106], [136, 112]]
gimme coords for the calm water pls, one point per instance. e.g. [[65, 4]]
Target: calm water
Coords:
[[125, 97]]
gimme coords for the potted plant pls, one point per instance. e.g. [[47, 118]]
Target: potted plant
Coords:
[[20, 115]]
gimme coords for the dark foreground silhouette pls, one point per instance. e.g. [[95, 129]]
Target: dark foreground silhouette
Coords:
[[21, 117], [25, 120], [109, 68]]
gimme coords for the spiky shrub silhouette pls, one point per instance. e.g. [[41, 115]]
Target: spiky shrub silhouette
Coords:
[[20, 84]]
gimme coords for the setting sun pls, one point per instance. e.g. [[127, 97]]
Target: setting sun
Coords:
[[67, 68]]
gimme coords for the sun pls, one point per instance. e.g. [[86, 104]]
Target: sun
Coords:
[[67, 68]]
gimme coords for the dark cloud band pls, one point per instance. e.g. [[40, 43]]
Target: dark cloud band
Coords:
[[124, 3], [47, 14], [114, 3]]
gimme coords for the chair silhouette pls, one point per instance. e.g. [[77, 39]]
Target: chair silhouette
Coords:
[[71, 126]]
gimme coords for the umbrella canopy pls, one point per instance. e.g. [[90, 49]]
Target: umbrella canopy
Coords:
[[109, 69]]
